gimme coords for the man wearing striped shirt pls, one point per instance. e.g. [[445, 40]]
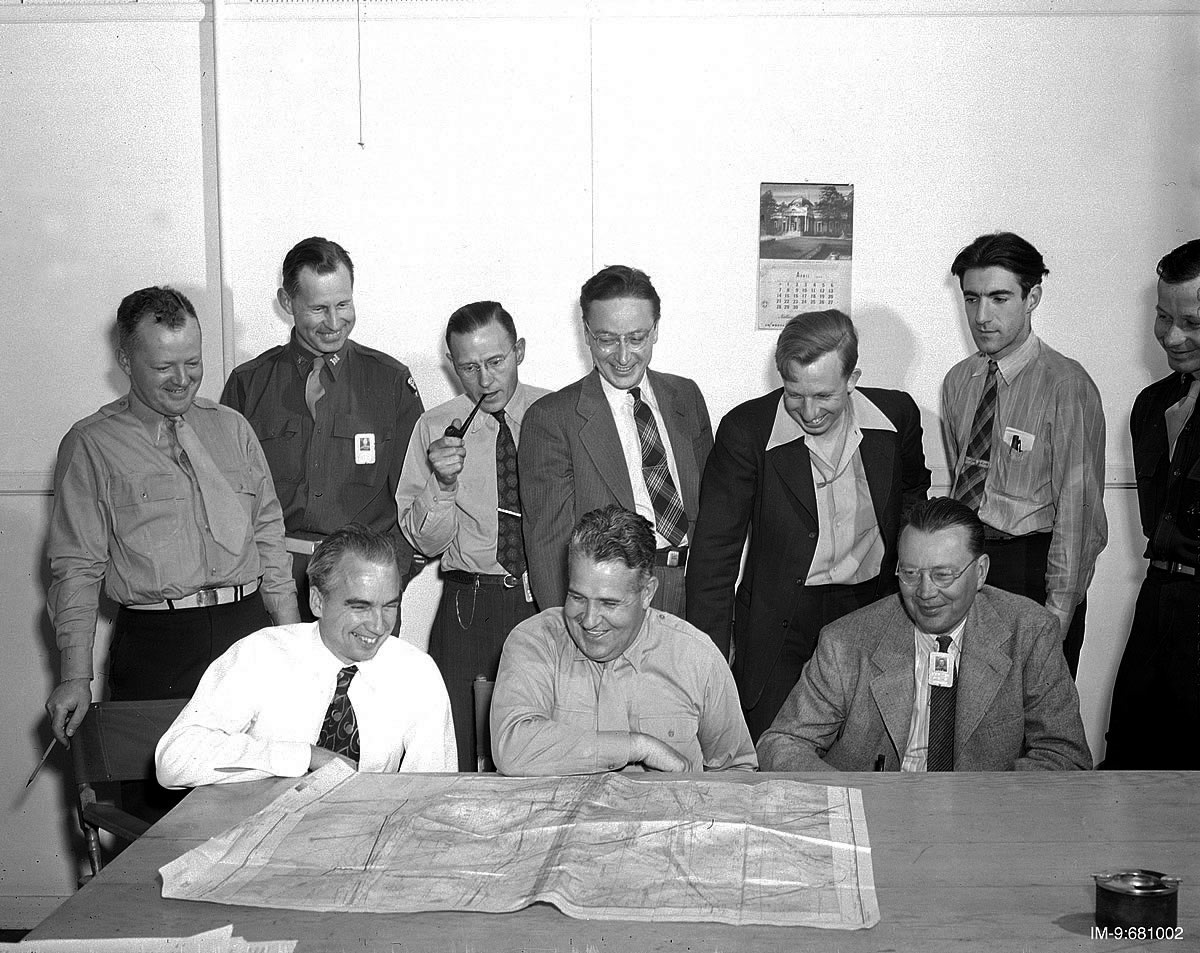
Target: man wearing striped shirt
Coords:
[[1024, 433]]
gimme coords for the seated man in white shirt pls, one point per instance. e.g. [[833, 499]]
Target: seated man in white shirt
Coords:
[[288, 699], [949, 675]]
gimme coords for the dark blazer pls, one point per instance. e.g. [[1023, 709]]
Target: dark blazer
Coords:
[[1151, 460], [1017, 705], [571, 462], [772, 494]]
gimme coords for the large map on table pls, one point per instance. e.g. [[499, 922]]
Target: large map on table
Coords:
[[597, 847]]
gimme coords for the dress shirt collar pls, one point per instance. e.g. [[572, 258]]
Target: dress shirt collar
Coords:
[[302, 357], [330, 662], [929, 642], [864, 415], [514, 410], [617, 397], [1012, 364], [153, 421], [635, 652]]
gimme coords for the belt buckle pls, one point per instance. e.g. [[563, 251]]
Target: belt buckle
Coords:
[[672, 557], [510, 581], [206, 597]]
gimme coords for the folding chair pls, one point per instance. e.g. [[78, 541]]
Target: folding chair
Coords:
[[482, 689], [116, 743]]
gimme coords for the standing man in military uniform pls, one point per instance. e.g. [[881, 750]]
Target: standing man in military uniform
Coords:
[[334, 417], [164, 498]]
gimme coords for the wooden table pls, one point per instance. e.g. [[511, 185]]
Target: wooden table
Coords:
[[980, 861]]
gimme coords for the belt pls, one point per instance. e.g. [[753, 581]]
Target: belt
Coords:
[[301, 547], [502, 580], [673, 556], [1182, 569], [203, 597]]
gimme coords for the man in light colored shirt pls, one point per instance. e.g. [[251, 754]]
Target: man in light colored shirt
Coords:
[[289, 699], [165, 499], [607, 682], [817, 472], [948, 675], [1024, 433], [623, 434], [459, 498]]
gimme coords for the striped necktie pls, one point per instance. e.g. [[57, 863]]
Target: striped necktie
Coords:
[[973, 476], [669, 517], [939, 755]]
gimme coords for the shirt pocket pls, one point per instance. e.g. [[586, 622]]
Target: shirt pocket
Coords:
[[346, 429], [245, 490], [147, 511], [281, 442], [1021, 475], [675, 730]]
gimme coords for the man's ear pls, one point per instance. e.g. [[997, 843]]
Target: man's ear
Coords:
[[285, 302], [123, 360], [1033, 298], [648, 591], [316, 602], [984, 564]]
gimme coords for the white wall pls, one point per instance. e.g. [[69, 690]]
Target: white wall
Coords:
[[510, 149]]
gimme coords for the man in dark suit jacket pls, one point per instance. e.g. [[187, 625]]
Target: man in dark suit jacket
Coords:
[[623, 434], [1160, 670], [819, 471], [869, 697]]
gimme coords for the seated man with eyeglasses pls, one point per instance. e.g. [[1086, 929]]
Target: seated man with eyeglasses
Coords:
[[623, 434], [948, 675], [459, 499]]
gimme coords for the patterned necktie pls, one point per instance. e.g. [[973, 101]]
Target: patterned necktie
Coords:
[[669, 518], [227, 521], [973, 476], [939, 756], [1178, 414], [339, 731], [510, 547], [314, 388]]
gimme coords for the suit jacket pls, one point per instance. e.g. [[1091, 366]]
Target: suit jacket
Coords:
[[772, 493], [1152, 462], [571, 462], [1017, 704]]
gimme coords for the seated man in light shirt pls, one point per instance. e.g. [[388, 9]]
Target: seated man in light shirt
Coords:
[[948, 675], [286, 700], [606, 682]]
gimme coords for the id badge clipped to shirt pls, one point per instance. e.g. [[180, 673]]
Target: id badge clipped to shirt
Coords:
[[364, 448], [941, 669]]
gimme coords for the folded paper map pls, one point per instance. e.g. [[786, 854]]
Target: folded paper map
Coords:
[[597, 847]]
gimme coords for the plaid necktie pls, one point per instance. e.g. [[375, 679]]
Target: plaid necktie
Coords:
[[973, 476], [939, 756], [669, 518], [339, 731], [510, 547], [314, 387], [227, 521]]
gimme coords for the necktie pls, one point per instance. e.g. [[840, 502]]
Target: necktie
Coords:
[[939, 756], [339, 731], [669, 518], [1178, 414], [973, 476], [314, 389], [510, 547], [227, 521]]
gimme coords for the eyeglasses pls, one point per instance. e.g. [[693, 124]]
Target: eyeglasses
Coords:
[[493, 364], [635, 340], [940, 577]]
